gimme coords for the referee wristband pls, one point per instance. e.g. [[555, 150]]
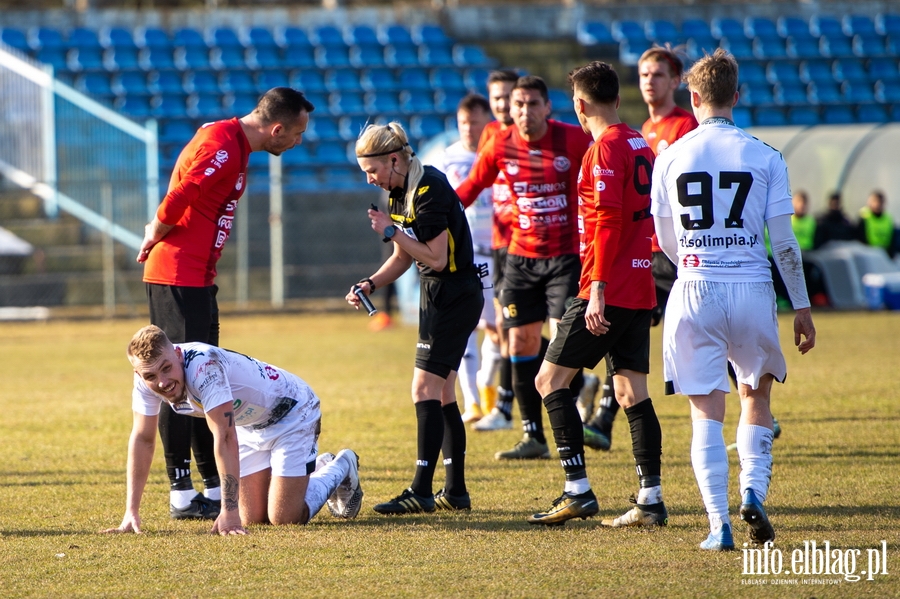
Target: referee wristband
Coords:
[[369, 281]]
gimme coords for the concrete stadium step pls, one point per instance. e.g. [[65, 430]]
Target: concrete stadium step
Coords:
[[40, 232]]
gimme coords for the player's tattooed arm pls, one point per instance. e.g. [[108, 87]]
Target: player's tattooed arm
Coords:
[[230, 492]]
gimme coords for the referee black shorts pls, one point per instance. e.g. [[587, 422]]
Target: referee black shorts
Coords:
[[185, 313], [449, 310], [535, 288], [627, 342]]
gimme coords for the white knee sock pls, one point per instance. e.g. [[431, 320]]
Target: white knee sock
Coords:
[[323, 482], [490, 362], [754, 446], [468, 371], [710, 461]]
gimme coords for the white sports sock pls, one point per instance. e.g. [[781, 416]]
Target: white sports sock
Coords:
[[323, 482], [468, 372], [650, 495], [214, 493], [490, 362], [577, 487], [754, 446], [710, 461], [181, 499]]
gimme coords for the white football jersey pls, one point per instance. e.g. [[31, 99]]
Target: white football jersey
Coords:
[[260, 393], [457, 162], [720, 185]]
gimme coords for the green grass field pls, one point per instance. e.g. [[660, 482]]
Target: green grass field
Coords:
[[65, 405]]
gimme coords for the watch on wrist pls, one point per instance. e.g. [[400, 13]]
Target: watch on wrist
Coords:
[[389, 232]]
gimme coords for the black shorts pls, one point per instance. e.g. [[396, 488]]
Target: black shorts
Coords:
[[449, 309], [185, 313], [499, 255], [627, 342], [535, 288]]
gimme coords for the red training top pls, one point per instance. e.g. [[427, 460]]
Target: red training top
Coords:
[[542, 178], [204, 190], [615, 220], [501, 232]]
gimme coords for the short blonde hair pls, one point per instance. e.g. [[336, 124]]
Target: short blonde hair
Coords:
[[715, 78], [148, 344], [380, 141]]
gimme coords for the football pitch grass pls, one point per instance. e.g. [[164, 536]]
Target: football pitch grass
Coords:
[[65, 405]]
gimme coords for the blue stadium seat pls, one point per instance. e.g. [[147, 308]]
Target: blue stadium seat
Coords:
[[188, 37], [367, 56], [740, 47], [752, 73], [342, 80], [887, 24], [426, 126], [431, 35], [175, 132], [769, 117], [782, 71], [894, 113], [662, 31], [859, 92], [760, 27], [264, 57], [835, 47], [381, 102], [130, 83], [201, 82], [803, 115], [561, 100], [379, 79], [403, 120], [266, 80], [630, 50], [81, 37], [309, 80], [742, 117], [725, 27], [327, 35], [361, 35], [823, 92], [14, 38], [299, 181], [791, 94], [884, 69], [258, 37], [401, 56], [414, 78], [892, 45], [887, 92], [756, 95], [624, 29], [816, 71], [189, 58], [446, 101], [350, 126], [297, 159], [849, 69], [152, 37], [168, 107], [416, 101], [802, 48], [224, 37], [168, 156], [318, 99], [55, 57], [447, 78], [826, 26], [165, 82], [46, 38], [237, 82], [567, 116], [871, 113], [346, 103], [118, 38], [300, 57], [239, 104], [84, 59], [769, 48], [324, 128], [466, 56], [331, 152], [698, 28], [476, 80], [95, 84], [205, 106], [227, 58], [858, 25], [795, 27], [591, 33], [156, 58], [120, 58], [868, 46], [394, 35], [293, 37], [838, 115], [331, 57], [695, 47], [343, 178], [437, 56]]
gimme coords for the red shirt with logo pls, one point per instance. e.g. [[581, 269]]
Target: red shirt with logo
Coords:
[[542, 177], [208, 180], [664, 133], [614, 218], [501, 232]]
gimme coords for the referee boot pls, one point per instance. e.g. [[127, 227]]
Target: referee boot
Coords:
[[200, 508], [528, 448], [407, 502], [445, 501]]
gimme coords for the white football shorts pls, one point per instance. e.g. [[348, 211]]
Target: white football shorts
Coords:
[[287, 447], [709, 323]]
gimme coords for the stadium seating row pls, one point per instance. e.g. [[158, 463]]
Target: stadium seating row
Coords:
[[820, 93], [839, 114]]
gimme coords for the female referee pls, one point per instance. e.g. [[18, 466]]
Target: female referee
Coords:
[[426, 223]]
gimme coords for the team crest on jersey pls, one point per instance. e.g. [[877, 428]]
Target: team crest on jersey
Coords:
[[561, 164], [422, 190], [240, 182], [222, 156], [690, 261], [512, 167]]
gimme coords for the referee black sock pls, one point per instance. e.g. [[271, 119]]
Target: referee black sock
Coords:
[[454, 450], [646, 442], [525, 369], [567, 432], [577, 382], [505, 393], [430, 438]]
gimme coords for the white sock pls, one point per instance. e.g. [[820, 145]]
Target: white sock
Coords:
[[710, 461], [181, 499], [754, 446], [650, 495], [323, 482], [468, 372], [322, 460], [214, 493], [577, 487], [490, 362]]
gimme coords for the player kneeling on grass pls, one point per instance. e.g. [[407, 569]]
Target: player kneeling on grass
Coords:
[[265, 424]]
